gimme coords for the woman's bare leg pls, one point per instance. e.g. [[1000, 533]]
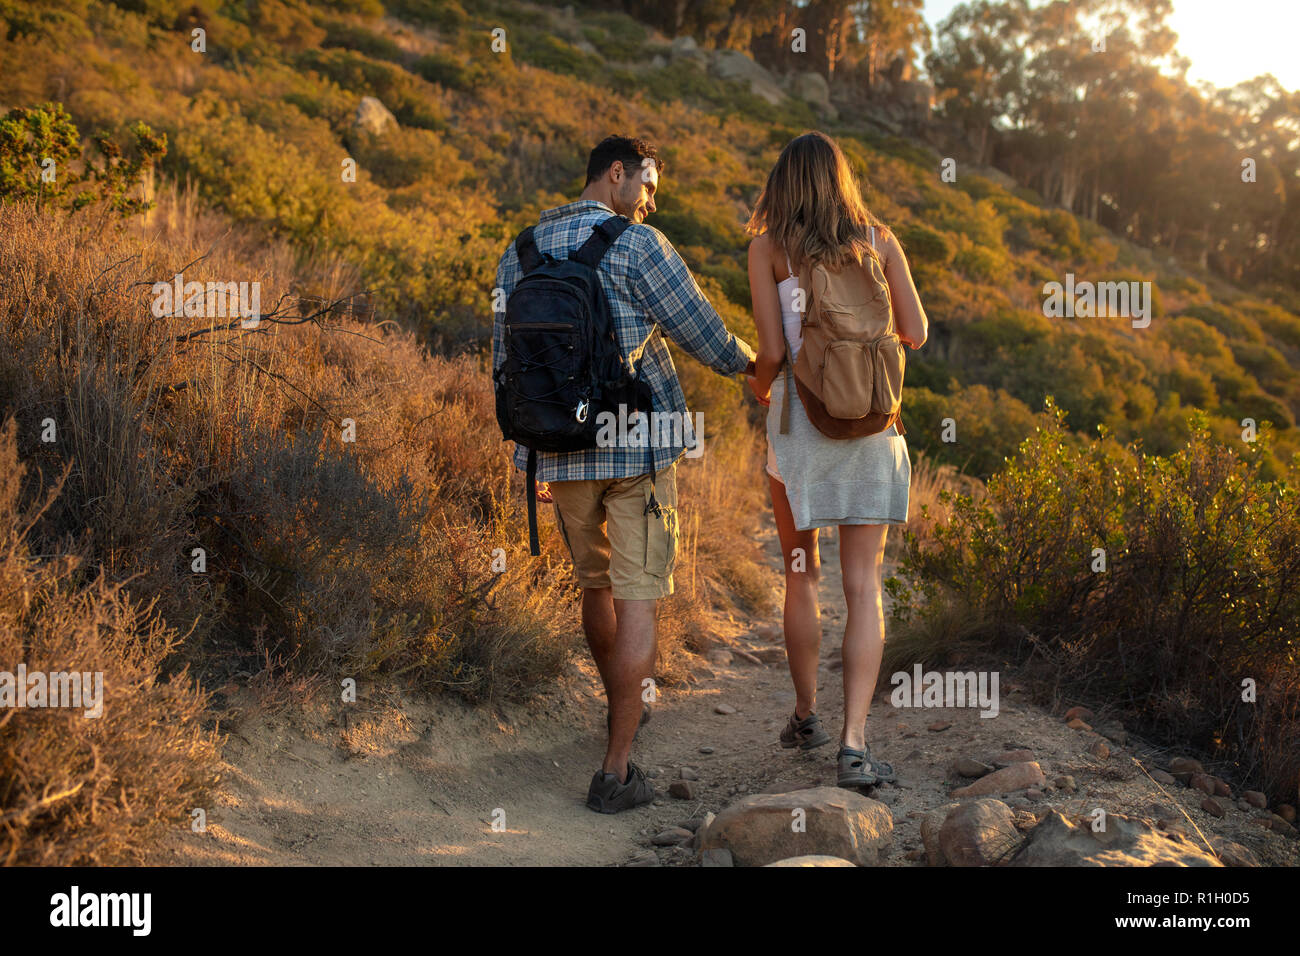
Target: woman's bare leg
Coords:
[[803, 626], [862, 553]]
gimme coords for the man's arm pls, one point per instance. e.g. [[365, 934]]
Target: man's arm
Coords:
[[671, 297], [507, 276]]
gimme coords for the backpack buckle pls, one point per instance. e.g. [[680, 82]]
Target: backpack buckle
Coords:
[[581, 413]]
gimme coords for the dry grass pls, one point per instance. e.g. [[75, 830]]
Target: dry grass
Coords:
[[325, 557], [76, 790]]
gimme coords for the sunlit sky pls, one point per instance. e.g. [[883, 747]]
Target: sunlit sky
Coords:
[[1226, 42]]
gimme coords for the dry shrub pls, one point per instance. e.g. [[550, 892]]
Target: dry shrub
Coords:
[[192, 432], [932, 491], [324, 554], [77, 790]]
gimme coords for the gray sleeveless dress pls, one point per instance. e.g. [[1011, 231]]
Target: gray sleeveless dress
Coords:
[[832, 481]]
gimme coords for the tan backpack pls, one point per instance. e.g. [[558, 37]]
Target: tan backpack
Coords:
[[850, 367]]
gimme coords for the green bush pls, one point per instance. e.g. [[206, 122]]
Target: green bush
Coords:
[[411, 99], [43, 144], [1231, 323], [549, 52], [349, 36], [447, 15], [980, 264], [450, 72], [925, 245], [616, 36], [1195, 595]]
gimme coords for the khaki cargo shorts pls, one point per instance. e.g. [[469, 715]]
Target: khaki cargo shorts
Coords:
[[636, 555]]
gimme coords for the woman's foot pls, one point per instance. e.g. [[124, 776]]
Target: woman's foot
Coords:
[[804, 734], [854, 771], [857, 768]]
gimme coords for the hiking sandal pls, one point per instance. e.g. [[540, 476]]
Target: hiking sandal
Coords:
[[804, 734], [884, 772], [855, 769]]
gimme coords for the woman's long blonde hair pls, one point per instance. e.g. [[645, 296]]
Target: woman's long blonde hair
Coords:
[[812, 206]]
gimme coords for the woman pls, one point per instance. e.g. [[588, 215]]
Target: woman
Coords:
[[811, 211]]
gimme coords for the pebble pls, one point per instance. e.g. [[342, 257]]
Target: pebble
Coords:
[[706, 750], [1034, 795], [1115, 733], [716, 858], [687, 773], [1202, 782], [1100, 749], [644, 858], [673, 836], [1081, 713], [1255, 798], [968, 767], [1077, 724], [682, 789], [1286, 812], [1213, 807], [1159, 776], [939, 725], [724, 709]]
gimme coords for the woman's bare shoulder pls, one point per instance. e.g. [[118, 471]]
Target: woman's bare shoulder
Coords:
[[887, 242]]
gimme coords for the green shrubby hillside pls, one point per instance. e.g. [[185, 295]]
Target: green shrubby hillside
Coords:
[[262, 121]]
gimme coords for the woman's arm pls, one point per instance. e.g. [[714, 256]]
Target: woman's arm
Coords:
[[909, 315], [767, 316]]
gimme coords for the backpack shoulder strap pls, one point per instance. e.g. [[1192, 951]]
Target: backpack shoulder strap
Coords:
[[526, 249], [603, 235]]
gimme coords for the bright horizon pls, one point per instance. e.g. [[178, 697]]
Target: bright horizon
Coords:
[[1257, 38]]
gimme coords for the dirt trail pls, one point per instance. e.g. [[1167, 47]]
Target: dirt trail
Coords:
[[404, 782]]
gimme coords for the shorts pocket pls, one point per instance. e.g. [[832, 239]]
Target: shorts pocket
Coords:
[[660, 540]]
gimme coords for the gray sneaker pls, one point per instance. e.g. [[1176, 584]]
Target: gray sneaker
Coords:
[[608, 795], [804, 734]]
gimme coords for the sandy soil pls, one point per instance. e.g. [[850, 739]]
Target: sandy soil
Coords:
[[399, 781]]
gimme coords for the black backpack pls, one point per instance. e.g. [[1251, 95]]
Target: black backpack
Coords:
[[562, 364]]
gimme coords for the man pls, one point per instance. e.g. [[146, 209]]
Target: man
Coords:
[[623, 549]]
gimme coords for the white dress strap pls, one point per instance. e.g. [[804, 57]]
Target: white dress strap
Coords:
[[788, 268], [873, 237]]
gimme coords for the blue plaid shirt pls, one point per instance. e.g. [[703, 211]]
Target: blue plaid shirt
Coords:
[[649, 289]]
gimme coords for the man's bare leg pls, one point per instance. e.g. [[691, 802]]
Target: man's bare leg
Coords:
[[628, 662], [600, 626]]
